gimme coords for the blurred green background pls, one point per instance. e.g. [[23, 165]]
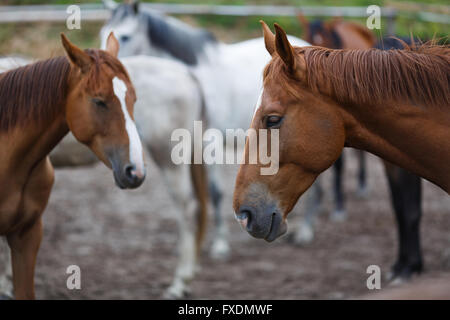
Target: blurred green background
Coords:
[[41, 40]]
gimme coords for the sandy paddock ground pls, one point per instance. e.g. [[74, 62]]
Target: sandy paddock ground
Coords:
[[125, 242]]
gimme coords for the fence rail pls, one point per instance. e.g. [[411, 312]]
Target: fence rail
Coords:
[[96, 12]]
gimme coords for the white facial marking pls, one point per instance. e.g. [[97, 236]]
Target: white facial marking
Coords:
[[258, 103], [135, 146]]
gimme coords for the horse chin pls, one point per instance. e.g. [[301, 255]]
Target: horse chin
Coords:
[[277, 229], [118, 181], [271, 230]]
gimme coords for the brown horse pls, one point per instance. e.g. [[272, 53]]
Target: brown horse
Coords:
[[394, 104], [405, 187], [337, 34], [89, 93]]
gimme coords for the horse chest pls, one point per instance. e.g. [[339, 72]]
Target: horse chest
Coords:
[[23, 200]]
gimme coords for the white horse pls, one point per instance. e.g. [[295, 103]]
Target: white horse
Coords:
[[229, 74], [167, 91]]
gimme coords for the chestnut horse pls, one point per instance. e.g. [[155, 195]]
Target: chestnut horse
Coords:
[[89, 93], [394, 104], [335, 34], [405, 187]]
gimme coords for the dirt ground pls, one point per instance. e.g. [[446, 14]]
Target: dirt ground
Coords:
[[125, 241]]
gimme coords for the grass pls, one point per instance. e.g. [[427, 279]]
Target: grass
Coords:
[[41, 40]]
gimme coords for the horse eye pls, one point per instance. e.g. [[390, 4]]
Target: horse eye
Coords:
[[124, 38], [99, 103], [273, 121]]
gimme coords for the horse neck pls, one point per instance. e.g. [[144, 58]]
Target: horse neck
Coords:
[[33, 140], [391, 131], [172, 37], [352, 36]]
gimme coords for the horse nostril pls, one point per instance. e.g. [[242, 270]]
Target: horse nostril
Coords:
[[129, 172], [246, 215], [243, 214]]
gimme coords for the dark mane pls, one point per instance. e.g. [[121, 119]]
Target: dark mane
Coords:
[[36, 92], [178, 39], [420, 75], [185, 44]]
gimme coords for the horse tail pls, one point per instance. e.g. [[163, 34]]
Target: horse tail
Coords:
[[200, 180]]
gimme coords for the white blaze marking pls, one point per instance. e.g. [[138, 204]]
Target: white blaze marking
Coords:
[[258, 103], [135, 146]]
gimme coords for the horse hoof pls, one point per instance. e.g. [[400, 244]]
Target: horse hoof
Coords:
[[338, 215], [396, 278], [304, 235], [220, 250], [176, 292], [395, 281], [5, 296]]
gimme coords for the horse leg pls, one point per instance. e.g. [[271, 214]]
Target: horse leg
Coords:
[[6, 286], [24, 242], [339, 213], [220, 248], [406, 197], [182, 192], [313, 200], [363, 189]]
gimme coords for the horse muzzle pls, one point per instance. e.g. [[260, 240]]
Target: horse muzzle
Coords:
[[125, 174], [262, 223]]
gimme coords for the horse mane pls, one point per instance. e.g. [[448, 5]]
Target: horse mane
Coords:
[[38, 91], [419, 75], [177, 38], [171, 35]]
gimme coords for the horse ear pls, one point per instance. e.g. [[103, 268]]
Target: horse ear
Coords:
[[284, 48], [112, 45], [77, 57], [269, 38], [110, 4], [135, 6], [305, 25]]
